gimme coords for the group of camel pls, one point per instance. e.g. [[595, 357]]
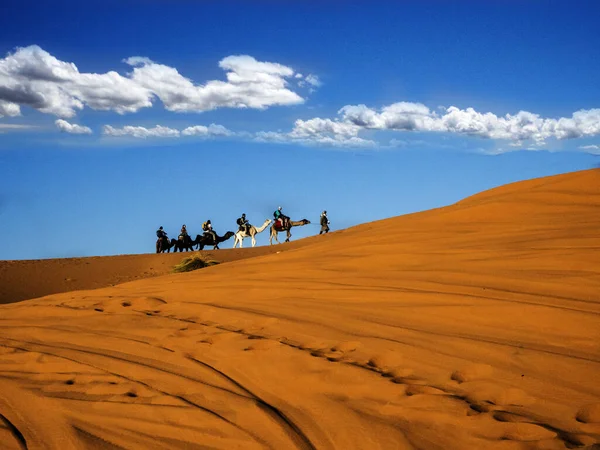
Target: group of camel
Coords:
[[165, 245]]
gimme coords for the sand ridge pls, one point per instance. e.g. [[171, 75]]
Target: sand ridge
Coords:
[[471, 326], [26, 279]]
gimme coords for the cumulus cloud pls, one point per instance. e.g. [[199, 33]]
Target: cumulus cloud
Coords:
[[316, 140], [213, 130], [209, 131], [71, 128], [9, 109], [317, 126], [523, 130], [590, 147], [33, 77], [523, 126], [141, 132], [250, 84], [318, 132]]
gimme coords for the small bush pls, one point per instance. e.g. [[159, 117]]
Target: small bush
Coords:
[[193, 263]]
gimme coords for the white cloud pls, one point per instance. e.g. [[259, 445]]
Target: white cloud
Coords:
[[9, 109], [311, 80], [523, 126], [67, 127], [317, 126], [141, 132], [314, 139], [523, 130], [209, 131], [8, 127], [250, 84], [593, 149], [318, 132], [33, 77], [213, 130]]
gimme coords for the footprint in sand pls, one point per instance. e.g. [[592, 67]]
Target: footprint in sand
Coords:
[[416, 389], [262, 344], [385, 362], [496, 396], [527, 432], [589, 413], [401, 375], [346, 347], [472, 372]]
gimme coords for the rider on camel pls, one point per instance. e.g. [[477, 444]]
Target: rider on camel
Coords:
[[183, 234], [244, 224], [160, 233], [208, 230], [279, 215]]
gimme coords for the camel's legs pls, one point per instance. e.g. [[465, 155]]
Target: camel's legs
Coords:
[[274, 235]]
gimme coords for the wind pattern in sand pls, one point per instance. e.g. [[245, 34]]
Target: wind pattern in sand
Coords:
[[471, 326]]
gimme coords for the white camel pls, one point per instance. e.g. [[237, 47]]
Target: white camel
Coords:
[[253, 231]]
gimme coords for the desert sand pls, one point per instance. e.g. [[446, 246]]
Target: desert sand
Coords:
[[473, 326]]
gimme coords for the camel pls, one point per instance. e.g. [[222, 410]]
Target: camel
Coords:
[[290, 224], [164, 245], [253, 231], [204, 240], [180, 245]]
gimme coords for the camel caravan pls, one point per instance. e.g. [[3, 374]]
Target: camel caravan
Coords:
[[280, 224]]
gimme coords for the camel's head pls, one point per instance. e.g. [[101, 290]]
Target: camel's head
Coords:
[[228, 235], [305, 221]]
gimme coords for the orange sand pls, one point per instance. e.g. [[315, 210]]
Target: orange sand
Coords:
[[474, 326]]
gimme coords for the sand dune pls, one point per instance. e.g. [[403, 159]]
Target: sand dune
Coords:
[[28, 279], [475, 326]]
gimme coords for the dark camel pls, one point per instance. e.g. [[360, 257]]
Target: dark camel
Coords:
[[164, 245], [208, 239], [186, 244]]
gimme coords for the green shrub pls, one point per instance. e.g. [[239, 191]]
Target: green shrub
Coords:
[[194, 262]]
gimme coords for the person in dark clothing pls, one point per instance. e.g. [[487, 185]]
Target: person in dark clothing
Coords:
[[324, 223], [244, 224], [160, 233]]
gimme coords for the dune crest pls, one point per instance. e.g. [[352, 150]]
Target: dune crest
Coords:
[[475, 326]]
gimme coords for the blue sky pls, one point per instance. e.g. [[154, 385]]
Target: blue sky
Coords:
[[117, 117]]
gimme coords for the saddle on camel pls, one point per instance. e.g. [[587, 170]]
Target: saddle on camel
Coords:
[[184, 237], [281, 221]]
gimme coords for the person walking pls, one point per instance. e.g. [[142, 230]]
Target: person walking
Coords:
[[324, 223]]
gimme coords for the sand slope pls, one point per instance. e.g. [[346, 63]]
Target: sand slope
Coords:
[[473, 326], [25, 279]]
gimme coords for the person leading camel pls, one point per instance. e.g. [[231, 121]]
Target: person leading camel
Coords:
[[244, 224], [324, 223]]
